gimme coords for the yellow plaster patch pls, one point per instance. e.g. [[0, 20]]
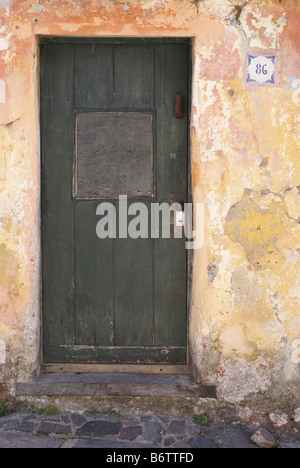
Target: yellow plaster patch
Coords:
[[264, 201], [253, 331], [233, 342], [7, 266], [292, 200], [8, 281], [258, 231]]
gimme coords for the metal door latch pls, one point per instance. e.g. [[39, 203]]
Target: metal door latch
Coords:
[[178, 106]]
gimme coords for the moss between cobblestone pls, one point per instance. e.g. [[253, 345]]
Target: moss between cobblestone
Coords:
[[201, 419], [4, 409]]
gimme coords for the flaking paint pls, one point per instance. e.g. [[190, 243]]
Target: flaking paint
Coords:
[[245, 169]]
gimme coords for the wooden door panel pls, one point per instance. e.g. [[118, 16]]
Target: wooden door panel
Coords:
[[94, 76], [112, 300], [115, 354], [171, 78], [57, 72], [133, 290], [134, 80], [94, 271]]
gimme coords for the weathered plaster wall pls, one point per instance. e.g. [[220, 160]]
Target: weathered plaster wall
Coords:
[[247, 157], [245, 314]]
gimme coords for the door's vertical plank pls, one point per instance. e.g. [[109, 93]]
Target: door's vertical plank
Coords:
[[170, 293], [94, 279], [133, 290], [94, 76], [57, 65], [171, 65], [134, 81], [171, 70]]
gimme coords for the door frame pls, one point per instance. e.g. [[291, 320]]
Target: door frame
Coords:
[[133, 368]]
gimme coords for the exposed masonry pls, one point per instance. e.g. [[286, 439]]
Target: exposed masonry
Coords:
[[212, 270]]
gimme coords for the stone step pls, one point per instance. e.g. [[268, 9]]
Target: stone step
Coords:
[[166, 394], [115, 385]]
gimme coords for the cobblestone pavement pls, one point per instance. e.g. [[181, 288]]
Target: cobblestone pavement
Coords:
[[73, 430]]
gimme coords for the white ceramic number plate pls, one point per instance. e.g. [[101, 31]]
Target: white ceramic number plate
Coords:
[[261, 69]]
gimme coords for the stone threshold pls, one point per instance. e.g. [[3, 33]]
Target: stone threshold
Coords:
[[115, 385]]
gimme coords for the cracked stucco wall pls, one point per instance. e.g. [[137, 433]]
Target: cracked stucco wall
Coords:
[[248, 173], [245, 312]]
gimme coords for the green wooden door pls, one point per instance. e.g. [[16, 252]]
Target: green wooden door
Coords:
[[108, 129]]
